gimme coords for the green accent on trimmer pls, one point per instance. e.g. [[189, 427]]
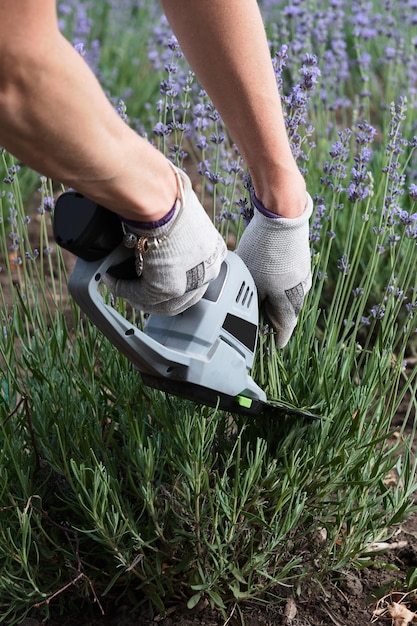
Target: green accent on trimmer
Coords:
[[244, 401]]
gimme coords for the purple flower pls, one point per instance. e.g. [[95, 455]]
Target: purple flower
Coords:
[[310, 72], [357, 191], [378, 311], [413, 191], [48, 203], [121, 110], [202, 143], [217, 138], [390, 52], [245, 210], [160, 129], [343, 265], [80, 48]]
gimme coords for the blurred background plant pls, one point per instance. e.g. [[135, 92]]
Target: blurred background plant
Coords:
[[115, 494]]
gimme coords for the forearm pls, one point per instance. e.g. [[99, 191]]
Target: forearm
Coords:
[[226, 45], [56, 119]]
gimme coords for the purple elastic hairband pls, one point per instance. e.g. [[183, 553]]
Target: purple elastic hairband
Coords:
[[262, 209], [151, 225]]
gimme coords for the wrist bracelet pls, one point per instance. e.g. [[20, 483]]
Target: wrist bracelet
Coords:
[[142, 243]]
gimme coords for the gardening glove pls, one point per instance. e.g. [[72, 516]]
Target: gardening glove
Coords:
[[174, 261], [276, 252]]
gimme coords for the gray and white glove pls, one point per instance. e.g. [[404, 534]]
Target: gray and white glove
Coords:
[[175, 262], [277, 254]]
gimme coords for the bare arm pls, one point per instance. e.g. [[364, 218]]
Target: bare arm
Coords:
[[225, 44], [55, 117]]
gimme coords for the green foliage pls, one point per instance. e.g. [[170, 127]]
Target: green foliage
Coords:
[[111, 493], [113, 39]]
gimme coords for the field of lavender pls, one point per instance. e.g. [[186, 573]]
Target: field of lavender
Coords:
[[113, 495]]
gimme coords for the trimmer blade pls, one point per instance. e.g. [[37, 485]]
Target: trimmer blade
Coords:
[[239, 405]]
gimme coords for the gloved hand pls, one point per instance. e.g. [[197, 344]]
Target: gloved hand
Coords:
[[276, 252], [176, 261]]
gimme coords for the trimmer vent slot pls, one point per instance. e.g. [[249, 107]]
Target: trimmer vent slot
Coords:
[[240, 292], [244, 295]]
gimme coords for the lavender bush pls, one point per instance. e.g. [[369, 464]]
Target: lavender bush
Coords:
[[114, 493]]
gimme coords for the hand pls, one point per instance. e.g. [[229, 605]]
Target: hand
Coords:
[[276, 252], [175, 261]]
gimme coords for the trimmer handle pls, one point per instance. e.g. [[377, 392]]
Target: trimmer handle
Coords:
[[143, 351], [211, 344], [94, 234]]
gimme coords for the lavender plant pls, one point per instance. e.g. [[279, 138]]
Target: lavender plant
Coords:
[[112, 38], [115, 493]]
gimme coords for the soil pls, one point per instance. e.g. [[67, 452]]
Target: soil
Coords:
[[347, 600]]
